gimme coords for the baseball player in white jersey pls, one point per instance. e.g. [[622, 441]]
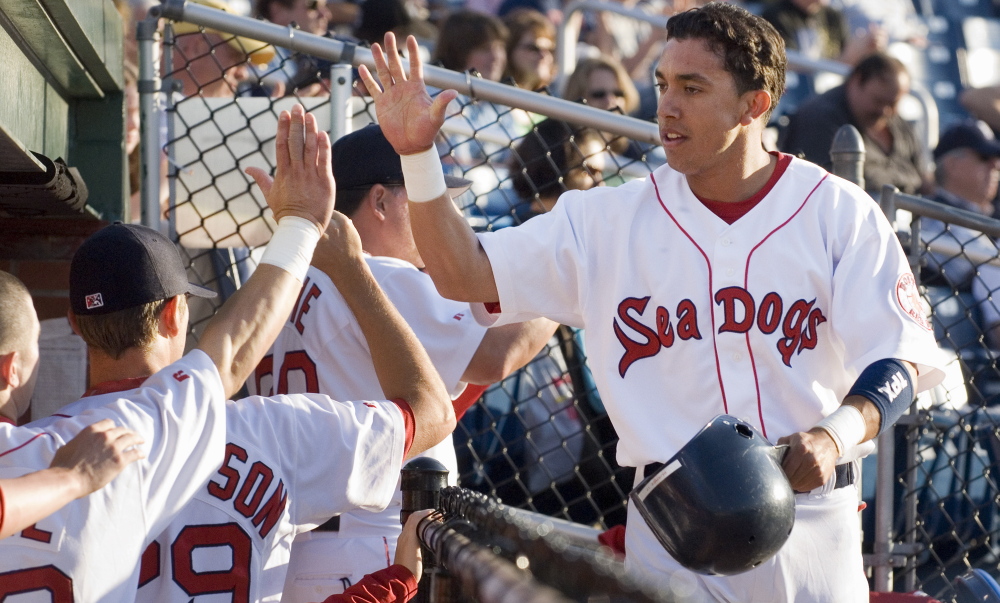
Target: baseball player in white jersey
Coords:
[[294, 461], [88, 462], [323, 349], [733, 280], [127, 275]]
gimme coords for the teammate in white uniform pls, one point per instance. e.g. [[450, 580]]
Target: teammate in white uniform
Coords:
[[322, 349], [733, 280], [86, 463], [293, 461], [90, 549]]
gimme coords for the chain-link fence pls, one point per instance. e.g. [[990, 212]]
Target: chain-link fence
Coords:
[[946, 455], [541, 439]]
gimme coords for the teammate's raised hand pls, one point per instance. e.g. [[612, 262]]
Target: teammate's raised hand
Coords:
[[339, 249], [303, 184], [409, 117], [98, 453]]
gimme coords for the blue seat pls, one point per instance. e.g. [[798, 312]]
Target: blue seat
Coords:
[[959, 9]]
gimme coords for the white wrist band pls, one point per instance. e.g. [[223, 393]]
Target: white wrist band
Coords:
[[846, 426], [292, 245], [423, 175]]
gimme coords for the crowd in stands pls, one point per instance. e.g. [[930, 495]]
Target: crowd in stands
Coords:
[[519, 163]]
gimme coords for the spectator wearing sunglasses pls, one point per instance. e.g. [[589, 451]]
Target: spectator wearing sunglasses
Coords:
[[602, 82], [531, 59]]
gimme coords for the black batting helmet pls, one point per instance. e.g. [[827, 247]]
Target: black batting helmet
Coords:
[[722, 505]]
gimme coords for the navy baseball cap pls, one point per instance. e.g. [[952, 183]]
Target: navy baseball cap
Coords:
[[126, 265], [968, 135], [364, 157]]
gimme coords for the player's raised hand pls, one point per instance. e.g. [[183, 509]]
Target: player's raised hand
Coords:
[[99, 453], [303, 184], [409, 117], [811, 459], [339, 249]]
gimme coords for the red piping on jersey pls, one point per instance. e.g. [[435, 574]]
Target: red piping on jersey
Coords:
[[35, 437], [746, 278], [711, 306], [4, 419]]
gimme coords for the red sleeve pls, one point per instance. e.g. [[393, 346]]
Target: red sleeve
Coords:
[[614, 538], [467, 398], [394, 584], [492, 307], [408, 422]]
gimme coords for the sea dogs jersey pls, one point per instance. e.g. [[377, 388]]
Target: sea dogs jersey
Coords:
[[89, 550], [771, 318], [322, 349], [290, 463]]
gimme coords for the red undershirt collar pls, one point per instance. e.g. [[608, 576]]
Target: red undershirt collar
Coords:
[[731, 212], [4, 419], [121, 385]]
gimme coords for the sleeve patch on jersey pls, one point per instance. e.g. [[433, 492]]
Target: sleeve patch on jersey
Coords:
[[909, 300]]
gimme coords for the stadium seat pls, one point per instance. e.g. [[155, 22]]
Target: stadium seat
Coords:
[[937, 66], [982, 51], [959, 9]]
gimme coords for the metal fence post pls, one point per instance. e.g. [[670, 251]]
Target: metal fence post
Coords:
[[882, 560], [887, 201], [341, 80], [421, 484], [149, 122], [848, 155]]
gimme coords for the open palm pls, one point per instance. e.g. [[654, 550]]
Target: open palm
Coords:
[[409, 118]]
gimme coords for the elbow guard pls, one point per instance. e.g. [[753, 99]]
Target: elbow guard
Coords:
[[887, 384]]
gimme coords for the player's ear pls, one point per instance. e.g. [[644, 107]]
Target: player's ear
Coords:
[[757, 103], [171, 319], [9, 377], [378, 200]]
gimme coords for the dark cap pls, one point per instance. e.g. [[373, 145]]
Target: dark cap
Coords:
[[968, 135], [126, 265], [364, 157]]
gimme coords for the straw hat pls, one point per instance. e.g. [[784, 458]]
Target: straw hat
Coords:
[[258, 52]]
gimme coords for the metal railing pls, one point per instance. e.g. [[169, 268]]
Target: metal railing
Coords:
[[464, 83]]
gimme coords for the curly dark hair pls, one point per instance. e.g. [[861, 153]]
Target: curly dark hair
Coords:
[[750, 48]]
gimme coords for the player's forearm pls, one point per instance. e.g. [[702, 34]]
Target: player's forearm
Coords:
[[35, 496], [452, 255], [402, 365], [506, 349], [247, 324]]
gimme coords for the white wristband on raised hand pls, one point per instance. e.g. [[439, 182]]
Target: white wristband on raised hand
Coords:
[[846, 426], [423, 176], [292, 245]]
